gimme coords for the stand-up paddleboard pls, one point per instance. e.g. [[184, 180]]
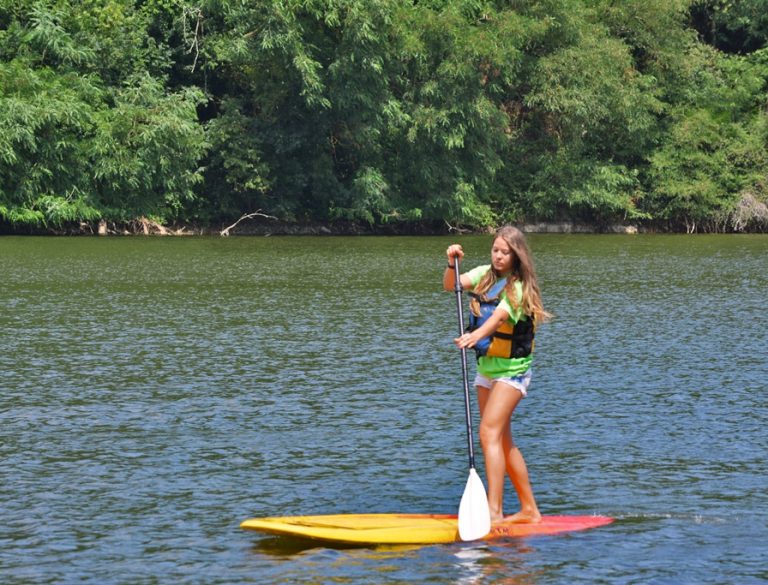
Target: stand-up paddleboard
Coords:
[[408, 528]]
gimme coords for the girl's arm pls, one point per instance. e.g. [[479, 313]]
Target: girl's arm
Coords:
[[493, 322], [449, 280], [449, 274]]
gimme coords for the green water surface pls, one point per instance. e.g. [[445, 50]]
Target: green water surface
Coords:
[[155, 392]]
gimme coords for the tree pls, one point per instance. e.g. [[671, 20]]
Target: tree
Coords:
[[714, 154], [732, 26], [89, 128]]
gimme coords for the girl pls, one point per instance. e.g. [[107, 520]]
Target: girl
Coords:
[[503, 367]]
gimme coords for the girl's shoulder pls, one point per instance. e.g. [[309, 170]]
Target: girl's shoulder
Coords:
[[513, 307], [477, 273], [517, 284]]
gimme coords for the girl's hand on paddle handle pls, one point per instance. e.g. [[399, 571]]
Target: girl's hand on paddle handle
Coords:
[[466, 341], [454, 251]]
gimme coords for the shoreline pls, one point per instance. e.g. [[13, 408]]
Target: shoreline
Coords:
[[266, 227]]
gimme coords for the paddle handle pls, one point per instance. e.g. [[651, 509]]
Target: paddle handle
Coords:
[[464, 369]]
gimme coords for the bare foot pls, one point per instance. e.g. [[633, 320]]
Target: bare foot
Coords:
[[497, 519], [523, 517]]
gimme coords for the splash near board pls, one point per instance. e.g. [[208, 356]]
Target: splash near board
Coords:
[[407, 528]]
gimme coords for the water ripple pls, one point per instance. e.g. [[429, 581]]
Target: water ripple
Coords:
[[157, 392]]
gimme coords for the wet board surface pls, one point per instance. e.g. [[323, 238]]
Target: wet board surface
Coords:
[[407, 528]]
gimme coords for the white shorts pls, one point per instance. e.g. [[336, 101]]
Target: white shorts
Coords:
[[520, 382]]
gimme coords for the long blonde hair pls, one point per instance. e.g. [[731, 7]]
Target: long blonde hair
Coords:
[[522, 270]]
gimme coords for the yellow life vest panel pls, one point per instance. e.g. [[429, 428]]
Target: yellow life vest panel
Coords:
[[508, 341]]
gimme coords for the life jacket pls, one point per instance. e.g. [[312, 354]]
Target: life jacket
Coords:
[[507, 341]]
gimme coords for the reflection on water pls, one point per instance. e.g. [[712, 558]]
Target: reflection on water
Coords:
[[504, 562], [156, 392]]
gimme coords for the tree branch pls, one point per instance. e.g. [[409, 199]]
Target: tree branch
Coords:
[[225, 232], [456, 229]]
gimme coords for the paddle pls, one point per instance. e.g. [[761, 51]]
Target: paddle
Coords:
[[474, 515]]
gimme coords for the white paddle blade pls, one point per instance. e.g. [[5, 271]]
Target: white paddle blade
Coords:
[[474, 514]]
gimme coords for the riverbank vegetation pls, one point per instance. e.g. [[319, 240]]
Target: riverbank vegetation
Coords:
[[384, 112]]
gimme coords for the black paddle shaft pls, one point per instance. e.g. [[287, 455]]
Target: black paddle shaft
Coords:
[[464, 372]]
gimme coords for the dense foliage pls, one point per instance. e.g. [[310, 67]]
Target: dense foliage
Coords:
[[471, 112]]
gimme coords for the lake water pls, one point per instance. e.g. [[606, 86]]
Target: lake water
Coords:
[[156, 392]]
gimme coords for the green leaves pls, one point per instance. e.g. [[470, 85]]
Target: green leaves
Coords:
[[42, 116], [467, 111], [145, 150], [714, 154], [705, 168], [75, 148]]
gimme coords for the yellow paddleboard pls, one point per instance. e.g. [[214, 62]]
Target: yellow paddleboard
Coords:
[[407, 528]]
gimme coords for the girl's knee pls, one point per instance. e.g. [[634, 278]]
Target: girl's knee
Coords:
[[489, 434]]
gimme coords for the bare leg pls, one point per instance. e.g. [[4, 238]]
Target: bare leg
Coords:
[[518, 473], [496, 408]]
